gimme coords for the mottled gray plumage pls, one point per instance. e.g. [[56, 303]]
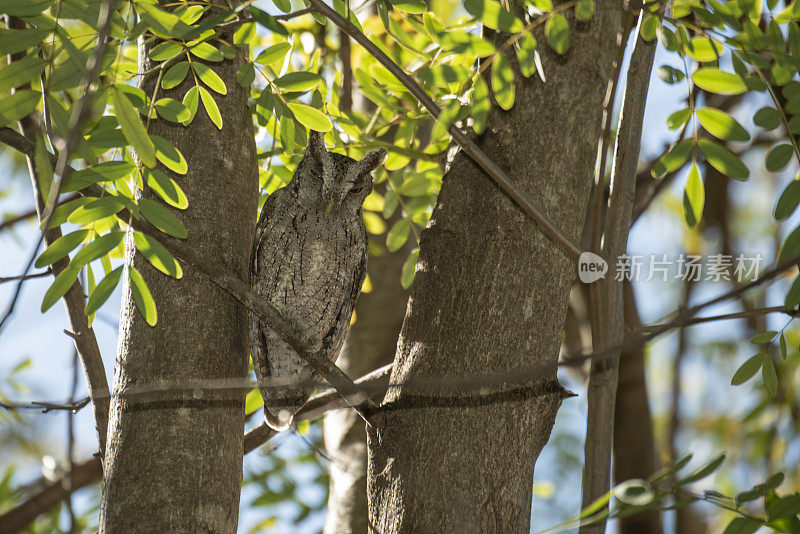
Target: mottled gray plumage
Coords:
[[309, 261]]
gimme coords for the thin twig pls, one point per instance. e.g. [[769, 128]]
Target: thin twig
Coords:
[[479, 156]]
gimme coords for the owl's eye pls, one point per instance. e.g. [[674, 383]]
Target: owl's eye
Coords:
[[356, 190], [316, 172]]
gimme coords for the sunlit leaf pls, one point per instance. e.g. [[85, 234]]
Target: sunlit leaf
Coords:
[[310, 117], [142, 296], [722, 125], [211, 107], [162, 218], [132, 128], [556, 30], [723, 160], [157, 255], [503, 82], [60, 286], [718, 81], [104, 289], [209, 77], [61, 247]]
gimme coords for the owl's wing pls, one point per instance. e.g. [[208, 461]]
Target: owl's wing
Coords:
[[334, 339]]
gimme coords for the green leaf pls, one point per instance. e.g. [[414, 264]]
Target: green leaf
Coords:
[[162, 23], [21, 72], [44, 169], [164, 51], [190, 100], [104, 289], [24, 8], [673, 159], [678, 119], [167, 188], [398, 234], [493, 15], [283, 5], [556, 30], [246, 75], [13, 41], [784, 350], [526, 54], [778, 157], [142, 296], [480, 105], [310, 117], [209, 77], [298, 81], [273, 54], [253, 401], [96, 210], [442, 75], [205, 50], [788, 201], [714, 80], [414, 7], [172, 110], [695, 194], [61, 247], [792, 300], [108, 171], [722, 125], [162, 218], [132, 127], [503, 82], [175, 75], [770, 376], [461, 42], [99, 247], [157, 255], [763, 337], [584, 10], [767, 117], [211, 107], [60, 286], [703, 472], [791, 247], [704, 49], [749, 368], [742, 525], [409, 269], [171, 157], [723, 160], [18, 105]]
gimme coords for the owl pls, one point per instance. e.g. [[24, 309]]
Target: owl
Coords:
[[309, 261]]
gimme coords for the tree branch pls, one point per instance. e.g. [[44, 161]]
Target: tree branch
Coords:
[[478, 156], [91, 471]]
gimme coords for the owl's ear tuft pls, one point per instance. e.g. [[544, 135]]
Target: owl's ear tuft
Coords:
[[372, 160], [316, 145]]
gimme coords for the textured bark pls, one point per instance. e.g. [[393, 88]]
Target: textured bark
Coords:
[[490, 296], [175, 464], [634, 444], [370, 344]]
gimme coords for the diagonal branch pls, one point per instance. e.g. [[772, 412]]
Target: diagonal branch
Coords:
[[479, 156], [91, 471]]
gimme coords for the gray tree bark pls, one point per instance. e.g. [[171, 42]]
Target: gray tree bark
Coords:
[[370, 344], [490, 296], [174, 461]]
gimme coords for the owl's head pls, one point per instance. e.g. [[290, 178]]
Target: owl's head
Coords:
[[335, 182]]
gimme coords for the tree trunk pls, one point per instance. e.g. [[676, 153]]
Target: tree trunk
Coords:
[[370, 344], [174, 460], [490, 296]]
